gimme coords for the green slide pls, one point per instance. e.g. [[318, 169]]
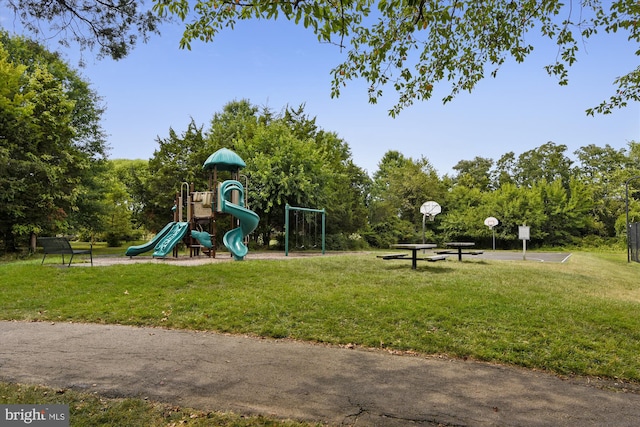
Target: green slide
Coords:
[[203, 238], [233, 239], [172, 238], [140, 249]]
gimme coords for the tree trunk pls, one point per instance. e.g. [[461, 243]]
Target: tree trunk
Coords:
[[32, 243]]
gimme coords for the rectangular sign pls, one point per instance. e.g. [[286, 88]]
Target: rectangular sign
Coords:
[[523, 232], [34, 415]]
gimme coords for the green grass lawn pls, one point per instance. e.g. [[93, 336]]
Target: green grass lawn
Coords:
[[91, 410], [577, 318], [580, 317]]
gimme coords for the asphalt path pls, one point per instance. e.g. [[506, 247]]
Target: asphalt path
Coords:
[[303, 381]]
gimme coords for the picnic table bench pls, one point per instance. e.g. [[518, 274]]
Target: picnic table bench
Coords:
[[61, 246], [393, 256], [414, 248], [432, 258], [457, 249]]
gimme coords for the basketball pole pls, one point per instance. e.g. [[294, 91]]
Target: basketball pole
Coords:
[[432, 209], [494, 238]]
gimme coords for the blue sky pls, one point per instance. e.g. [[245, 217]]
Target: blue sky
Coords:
[[277, 63]]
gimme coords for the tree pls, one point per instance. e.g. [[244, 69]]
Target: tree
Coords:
[[177, 160], [13, 107], [87, 142], [288, 160], [348, 191], [113, 26], [603, 170], [291, 160], [505, 170], [567, 211], [117, 211], [44, 172], [464, 211], [283, 169], [134, 175], [413, 45], [238, 120], [547, 162], [87, 105], [379, 208], [391, 161], [400, 186], [347, 187], [411, 185], [410, 45], [632, 170], [474, 173], [515, 206]]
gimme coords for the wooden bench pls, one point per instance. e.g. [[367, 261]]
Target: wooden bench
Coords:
[[61, 246], [435, 258]]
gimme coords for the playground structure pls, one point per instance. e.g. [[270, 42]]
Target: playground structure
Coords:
[[195, 214], [305, 231]]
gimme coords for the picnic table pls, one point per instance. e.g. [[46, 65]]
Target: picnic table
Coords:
[[459, 246], [414, 248]]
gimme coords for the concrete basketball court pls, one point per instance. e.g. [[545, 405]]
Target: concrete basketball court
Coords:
[[555, 257]]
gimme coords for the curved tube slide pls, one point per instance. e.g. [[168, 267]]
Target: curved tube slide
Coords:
[[234, 239]]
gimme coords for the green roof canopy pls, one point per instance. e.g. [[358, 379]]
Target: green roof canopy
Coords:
[[225, 160]]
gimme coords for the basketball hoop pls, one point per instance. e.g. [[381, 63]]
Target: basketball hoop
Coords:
[[491, 222], [430, 209]]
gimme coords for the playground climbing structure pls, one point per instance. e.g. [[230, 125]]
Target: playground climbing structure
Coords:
[[196, 214]]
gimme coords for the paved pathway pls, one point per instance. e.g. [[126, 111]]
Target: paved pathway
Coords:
[[339, 386]]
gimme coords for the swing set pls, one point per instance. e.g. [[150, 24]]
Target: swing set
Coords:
[[305, 229]]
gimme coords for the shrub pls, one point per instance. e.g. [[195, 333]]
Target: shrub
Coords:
[[113, 240]]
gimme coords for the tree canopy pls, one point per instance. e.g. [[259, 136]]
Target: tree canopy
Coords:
[[113, 27], [51, 143], [410, 46], [54, 177], [289, 160]]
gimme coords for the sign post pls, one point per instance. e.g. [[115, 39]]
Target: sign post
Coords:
[[492, 222], [523, 232]]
